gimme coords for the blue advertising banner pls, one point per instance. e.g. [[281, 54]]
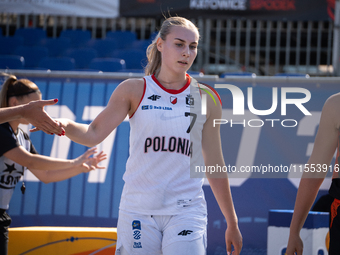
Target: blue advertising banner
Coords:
[[269, 149]]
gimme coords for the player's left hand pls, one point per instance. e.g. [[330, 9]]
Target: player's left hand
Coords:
[[89, 161], [233, 237], [92, 163]]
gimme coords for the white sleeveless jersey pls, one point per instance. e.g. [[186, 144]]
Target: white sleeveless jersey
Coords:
[[165, 142]]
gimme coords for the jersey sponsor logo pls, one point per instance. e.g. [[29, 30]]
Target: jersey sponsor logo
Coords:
[[136, 225], [161, 108], [185, 232], [137, 245], [154, 97], [136, 234], [173, 100], [189, 100], [154, 107], [171, 144]]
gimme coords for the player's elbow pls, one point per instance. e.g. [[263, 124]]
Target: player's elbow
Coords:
[[93, 137], [30, 163], [43, 177], [45, 181], [91, 144]]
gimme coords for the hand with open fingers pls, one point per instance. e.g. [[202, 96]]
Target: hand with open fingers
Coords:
[[85, 159], [233, 237], [35, 114], [295, 245], [92, 162]]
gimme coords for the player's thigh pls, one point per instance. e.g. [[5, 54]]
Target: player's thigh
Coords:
[[185, 233], [137, 234], [197, 247]]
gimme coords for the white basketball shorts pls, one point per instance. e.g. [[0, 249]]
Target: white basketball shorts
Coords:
[[157, 234]]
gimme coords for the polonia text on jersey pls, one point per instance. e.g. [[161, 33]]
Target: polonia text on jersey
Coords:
[[171, 144]]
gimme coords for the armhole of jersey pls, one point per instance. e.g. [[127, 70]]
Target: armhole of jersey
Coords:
[[199, 90], [213, 90], [25, 135], [140, 99]]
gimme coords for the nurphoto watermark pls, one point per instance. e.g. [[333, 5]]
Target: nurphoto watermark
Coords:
[[238, 106]]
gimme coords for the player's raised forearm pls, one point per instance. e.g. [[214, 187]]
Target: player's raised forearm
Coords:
[[10, 113], [79, 133]]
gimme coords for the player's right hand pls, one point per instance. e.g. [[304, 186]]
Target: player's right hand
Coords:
[[35, 114], [295, 245]]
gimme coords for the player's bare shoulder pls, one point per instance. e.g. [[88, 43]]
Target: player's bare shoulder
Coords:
[[333, 102], [334, 99], [214, 103], [331, 109], [134, 87]]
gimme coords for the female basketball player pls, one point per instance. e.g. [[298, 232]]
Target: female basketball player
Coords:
[[163, 210], [17, 153], [326, 142]]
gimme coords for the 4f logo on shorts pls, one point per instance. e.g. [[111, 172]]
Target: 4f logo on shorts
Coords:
[[185, 232]]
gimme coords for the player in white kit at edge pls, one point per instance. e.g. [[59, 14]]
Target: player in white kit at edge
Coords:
[[163, 209]]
